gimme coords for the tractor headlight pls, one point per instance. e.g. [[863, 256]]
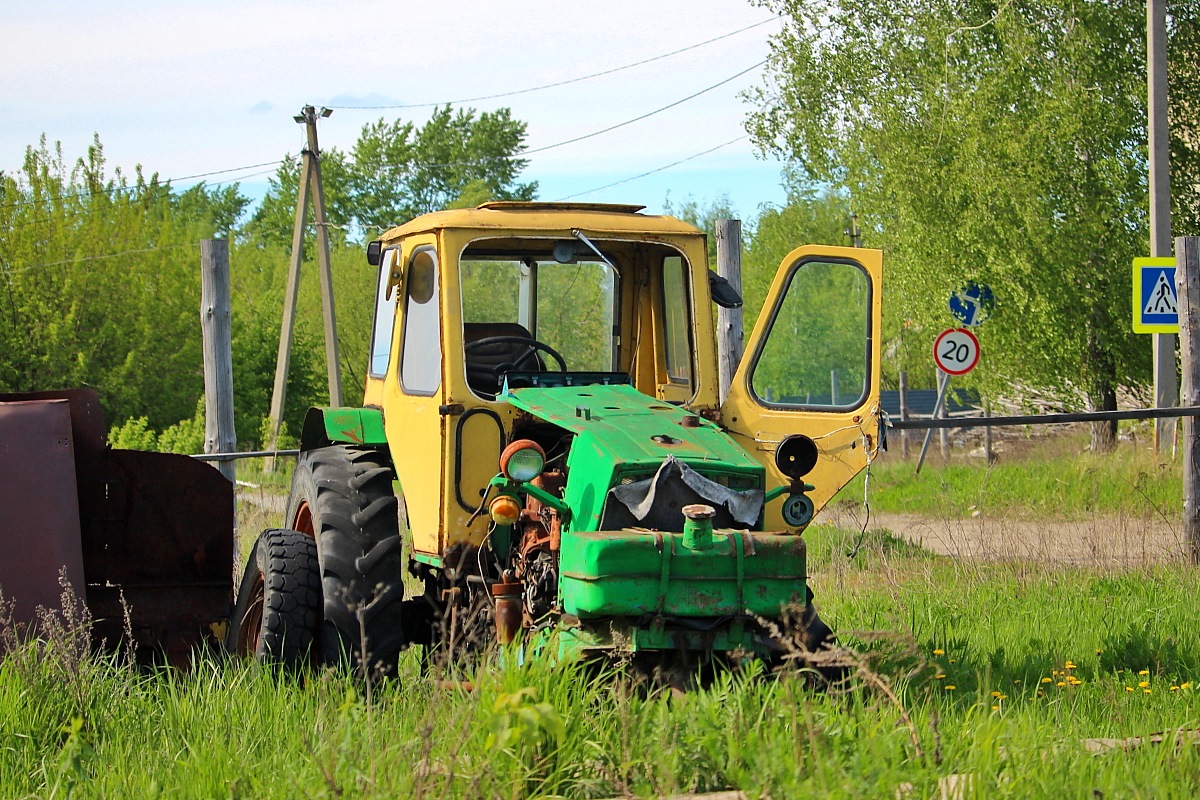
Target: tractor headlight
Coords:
[[523, 460]]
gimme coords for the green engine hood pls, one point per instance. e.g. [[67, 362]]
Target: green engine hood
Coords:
[[623, 435]]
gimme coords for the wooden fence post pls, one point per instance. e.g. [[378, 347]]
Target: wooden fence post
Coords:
[[1187, 283], [729, 320], [219, 434]]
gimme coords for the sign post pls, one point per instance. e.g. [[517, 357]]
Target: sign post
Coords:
[[956, 352]]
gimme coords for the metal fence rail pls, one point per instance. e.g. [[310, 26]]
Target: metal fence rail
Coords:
[[1044, 419], [236, 456]]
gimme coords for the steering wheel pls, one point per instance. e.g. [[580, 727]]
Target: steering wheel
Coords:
[[532, 347]]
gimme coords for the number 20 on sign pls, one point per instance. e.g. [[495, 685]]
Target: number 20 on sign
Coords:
[[956, 351]]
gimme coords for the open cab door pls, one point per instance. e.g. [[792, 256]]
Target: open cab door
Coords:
[[811, 369]]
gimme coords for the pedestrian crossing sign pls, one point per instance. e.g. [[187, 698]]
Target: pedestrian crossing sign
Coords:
[[1155, 303]]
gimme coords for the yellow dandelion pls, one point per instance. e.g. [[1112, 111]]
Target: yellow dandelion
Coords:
[[1060, 683], [996, 694], [1074, 681], [939, 676], [1144, 672], [1070, 665], [1054, 672], [950, 687], [995, 708], [1174, 688], [1040, 693], [1099, 651], [1146, 691], [1185, 685], [954, 661], [1129, 688], [1143, 684], [1016, 680], [1047, 680], [939, 652]]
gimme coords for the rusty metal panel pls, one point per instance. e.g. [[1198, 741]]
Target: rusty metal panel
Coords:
[[164, 539], [39, 526], [149, 533]]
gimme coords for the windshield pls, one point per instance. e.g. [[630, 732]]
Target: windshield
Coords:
[[522, 309]]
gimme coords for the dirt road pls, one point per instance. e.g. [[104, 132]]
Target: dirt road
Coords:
[[1095, 541]]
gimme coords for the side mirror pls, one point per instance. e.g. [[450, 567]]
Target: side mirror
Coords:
[[374, 249], [723, 293]]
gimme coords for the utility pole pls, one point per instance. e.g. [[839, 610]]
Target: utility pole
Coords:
[[1166, 387], [729, 320], [1187, 283], [310, 182], [854, 232]]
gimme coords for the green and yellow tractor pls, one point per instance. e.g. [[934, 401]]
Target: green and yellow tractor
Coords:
[[542, 447]]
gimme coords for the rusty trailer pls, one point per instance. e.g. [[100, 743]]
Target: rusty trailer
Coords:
[[147, 534]]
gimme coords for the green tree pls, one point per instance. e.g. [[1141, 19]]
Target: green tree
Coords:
[[998, 142], [99, 282], [397, 170]]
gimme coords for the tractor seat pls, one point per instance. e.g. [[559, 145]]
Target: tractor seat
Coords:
[[486, 365]]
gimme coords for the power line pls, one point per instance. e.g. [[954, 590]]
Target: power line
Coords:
[[644, 116], [651, 172], [569, 80], [162, 182], [593, 134], [29, 267]]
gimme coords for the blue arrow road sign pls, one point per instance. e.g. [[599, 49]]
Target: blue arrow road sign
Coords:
[[1155, 304], [972, 304]]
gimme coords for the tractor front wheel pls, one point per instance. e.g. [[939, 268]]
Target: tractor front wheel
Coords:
[[342, 496], [278, 609]]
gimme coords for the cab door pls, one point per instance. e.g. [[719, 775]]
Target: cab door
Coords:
[[811, 366]]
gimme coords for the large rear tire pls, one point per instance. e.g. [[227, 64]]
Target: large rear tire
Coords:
[[278, 611], [342, 496]]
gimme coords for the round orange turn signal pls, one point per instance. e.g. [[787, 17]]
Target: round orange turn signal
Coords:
[[505, 510]]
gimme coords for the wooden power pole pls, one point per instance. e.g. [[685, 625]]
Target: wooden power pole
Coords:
[[310, 182], [729, 320], [1166, 388], [1187, 283]]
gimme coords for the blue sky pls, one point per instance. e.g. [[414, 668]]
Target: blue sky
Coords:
[[187, 87]]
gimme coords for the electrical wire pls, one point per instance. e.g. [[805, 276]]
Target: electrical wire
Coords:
[[29, 267], [162, 182], [406, 167], [523, 154], [564, 82], [653, 171]]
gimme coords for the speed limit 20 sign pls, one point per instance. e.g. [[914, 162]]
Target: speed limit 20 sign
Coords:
[[956, 351]]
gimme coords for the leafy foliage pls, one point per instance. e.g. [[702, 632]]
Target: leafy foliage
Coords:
[[1000, 143]]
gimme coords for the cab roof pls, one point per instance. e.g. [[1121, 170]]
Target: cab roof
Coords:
[[531, 216]]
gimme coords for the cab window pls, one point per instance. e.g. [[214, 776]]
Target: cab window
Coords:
[[676, 321], [421, 361], [385, 315], [817, 351], [524, 300]]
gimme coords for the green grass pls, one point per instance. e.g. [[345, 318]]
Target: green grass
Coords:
[[97, 729], [1057, 479]]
